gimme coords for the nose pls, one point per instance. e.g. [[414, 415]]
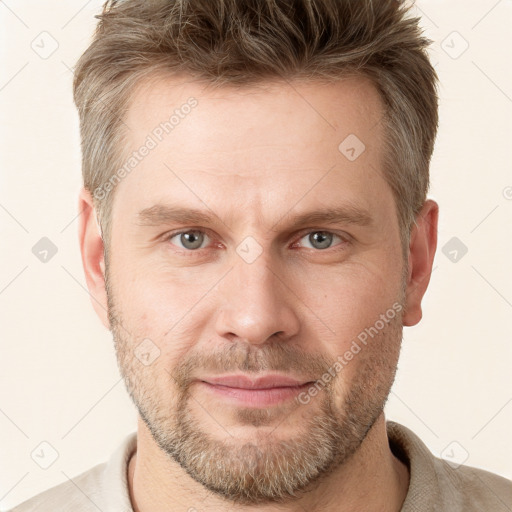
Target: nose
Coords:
[[257, 303]]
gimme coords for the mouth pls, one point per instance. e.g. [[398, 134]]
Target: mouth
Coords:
[[263, 391]]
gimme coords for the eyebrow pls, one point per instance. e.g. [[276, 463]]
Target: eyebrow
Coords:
[[161, 214]]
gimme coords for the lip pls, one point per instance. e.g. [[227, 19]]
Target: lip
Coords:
[[263, 382], [262, 391]]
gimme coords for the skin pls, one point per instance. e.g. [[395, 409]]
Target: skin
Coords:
[[253, 157]]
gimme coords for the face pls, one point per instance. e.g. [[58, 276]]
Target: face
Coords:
[[255, 281]]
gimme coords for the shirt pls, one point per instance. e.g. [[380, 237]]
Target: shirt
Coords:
[[434, 485]]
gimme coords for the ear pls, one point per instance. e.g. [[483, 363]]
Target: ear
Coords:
[[91, 247], [422, 249]]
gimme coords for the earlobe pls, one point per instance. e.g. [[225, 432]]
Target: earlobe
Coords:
[[422, 248], [92, 251]]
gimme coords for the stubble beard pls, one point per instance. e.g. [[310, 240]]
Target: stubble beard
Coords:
[[268, 468]]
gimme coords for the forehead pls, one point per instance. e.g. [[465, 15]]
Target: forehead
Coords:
[[269, 142], [252, 115]]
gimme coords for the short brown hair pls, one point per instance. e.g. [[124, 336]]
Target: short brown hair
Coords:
[[242, 42]]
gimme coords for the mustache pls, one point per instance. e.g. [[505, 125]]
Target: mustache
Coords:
[[248, 358]]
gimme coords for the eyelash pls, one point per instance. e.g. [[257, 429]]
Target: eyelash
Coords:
[[345, 239]]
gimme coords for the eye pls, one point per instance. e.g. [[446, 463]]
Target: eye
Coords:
[[190, 240], [321, 240], [193, 239]]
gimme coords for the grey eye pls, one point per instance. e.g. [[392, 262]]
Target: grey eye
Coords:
[[190, 239], [320, 239]]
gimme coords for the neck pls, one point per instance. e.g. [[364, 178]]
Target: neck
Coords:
[[373, 479]]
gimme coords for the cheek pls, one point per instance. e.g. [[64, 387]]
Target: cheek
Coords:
[[350, 299], [366, 368], [156, 301]]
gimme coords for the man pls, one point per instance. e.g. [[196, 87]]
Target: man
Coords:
[[255, 233]]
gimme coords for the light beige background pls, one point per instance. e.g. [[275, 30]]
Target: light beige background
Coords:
[[58, 377]]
